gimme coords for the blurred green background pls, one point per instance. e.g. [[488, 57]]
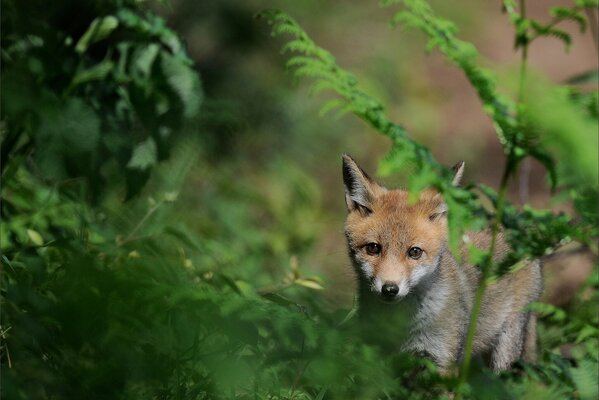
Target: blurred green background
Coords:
[[163, 175]]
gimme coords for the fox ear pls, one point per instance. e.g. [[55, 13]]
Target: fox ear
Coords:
[[358, 187], [440, 209], [458, 171]]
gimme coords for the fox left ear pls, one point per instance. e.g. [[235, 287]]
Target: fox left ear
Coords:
[[458, 171], [440, 210], [359, 188]]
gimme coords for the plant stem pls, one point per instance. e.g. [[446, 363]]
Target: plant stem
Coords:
[[148, 214], [524, 56], [592, 18], [487, 265], [485, 269]]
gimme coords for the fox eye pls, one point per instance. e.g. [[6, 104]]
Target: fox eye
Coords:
[[373, 249], [415, 252]]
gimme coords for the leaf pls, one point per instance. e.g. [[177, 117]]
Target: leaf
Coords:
[[569, 14], [548, 162], [67, 132], [567, 132], [321, 394], [309, 283], [547, 310], [245, 288], [98, 30], [561, 35], [352, 313], [35, 237], [586, 77], [81, 126], [145, 154], [587, 331], [184, 81], [143, 59], [97, 72], [586, 379], [171, 197], [279, 299]]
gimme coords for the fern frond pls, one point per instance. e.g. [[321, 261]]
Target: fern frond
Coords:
[[321, 86], [300, 60], [318, 64], [441, 34], [330, 106], [564, 13], [548, 30], [561, 35], [587, 3]]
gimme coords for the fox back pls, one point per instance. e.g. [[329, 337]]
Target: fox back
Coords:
[[403, 266]]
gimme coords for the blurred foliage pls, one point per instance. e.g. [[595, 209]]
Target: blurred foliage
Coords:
[[136, 264], [98, 89]]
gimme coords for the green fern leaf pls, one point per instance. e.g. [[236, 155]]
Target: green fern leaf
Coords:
[[330, 106], [564, 13], [441, 34], [586, 379]]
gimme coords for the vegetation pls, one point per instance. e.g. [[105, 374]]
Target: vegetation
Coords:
[[118, 281]]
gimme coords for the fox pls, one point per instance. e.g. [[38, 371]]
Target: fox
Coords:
[[400, 254]]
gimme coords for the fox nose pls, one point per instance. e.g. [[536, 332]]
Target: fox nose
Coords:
[[389, 290]]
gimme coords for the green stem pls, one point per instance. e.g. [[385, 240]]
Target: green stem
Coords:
[[486, 267], [150, 212], [524, 54], [591, 17], [522, 77], [551, 24]]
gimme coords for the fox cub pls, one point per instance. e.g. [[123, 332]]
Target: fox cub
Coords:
[[400, 254]]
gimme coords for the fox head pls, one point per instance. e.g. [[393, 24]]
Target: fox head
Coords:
[[394, 244]]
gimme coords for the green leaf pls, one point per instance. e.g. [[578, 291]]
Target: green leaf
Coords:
[[145, 155], [80, 126], [548, 311], [143, 59], [569, 14], [35, 237], [321, 394], [100, 28], [309, 283], [66, 132], [586, 379], [548, 162], [97, 72], [567, 132], [585, 77], [184, 81]]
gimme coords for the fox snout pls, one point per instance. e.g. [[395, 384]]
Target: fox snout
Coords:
[[391, 291]]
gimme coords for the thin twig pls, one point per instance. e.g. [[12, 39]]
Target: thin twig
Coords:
[[300, 370], [592, 17], [273, 288], [141, 222]]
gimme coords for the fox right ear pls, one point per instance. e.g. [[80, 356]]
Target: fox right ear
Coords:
[[358, 186], [458, 171]]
